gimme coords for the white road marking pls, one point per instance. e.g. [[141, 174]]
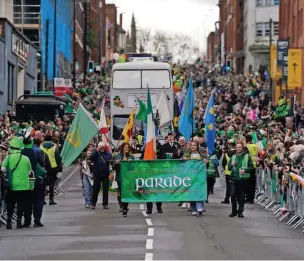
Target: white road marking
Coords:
[[67, 178], [150, 232], [148, 222], [142, 206], [149, 256], [144, 213], [149, 243]]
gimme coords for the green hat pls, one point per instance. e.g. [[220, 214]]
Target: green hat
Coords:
[[15, 143], [116, 97]]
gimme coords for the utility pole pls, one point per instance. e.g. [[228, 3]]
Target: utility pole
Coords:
[[270, 44], [85, 39], [74, 49], [100, 33], [47, 52], [54, 42]]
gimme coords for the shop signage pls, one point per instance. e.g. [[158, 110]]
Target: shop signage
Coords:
[[62, 86], [19, 47]]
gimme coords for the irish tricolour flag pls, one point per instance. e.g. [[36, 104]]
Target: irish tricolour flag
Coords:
[[150, 142]]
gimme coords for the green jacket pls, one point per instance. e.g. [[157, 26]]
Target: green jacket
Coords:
[[116, 165], [20, 178], [241, 162]]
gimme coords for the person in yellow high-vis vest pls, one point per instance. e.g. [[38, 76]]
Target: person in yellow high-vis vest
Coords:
[[225, 163], [252, 150], [52, 151]]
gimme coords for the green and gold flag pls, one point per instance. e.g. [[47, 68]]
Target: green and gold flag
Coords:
[[83, 129]]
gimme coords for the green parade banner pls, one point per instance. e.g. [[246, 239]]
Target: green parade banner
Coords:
[[163, 181]]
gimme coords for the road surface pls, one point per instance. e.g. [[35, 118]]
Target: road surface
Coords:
[[73, 232]]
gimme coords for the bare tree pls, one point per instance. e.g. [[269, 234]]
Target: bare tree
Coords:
[[160, 41], [144, 37]]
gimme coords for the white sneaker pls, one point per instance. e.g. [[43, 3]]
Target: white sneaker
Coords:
[[194, 213], [200, 212], [188, 205], [184, 205]]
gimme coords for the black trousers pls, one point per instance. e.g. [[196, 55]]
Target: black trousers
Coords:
[[35, 203], [98, 181], [238, 188], [52, 177], [124, 205], [228, 187], [16, 197], [250, 191], [149, 205], [210, 185]]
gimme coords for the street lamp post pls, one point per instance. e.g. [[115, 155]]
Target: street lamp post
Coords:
[[74, 49], [219, 44], [85, 38], [270, 44], [54, 42]]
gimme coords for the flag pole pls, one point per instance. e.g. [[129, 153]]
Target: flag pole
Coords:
[[122, 132]]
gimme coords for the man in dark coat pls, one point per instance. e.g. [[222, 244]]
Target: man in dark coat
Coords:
[[168, 148], [100, 159]]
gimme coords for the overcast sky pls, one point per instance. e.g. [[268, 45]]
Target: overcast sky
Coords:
[[195, 18]]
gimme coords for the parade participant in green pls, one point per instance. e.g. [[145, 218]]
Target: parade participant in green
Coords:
[[17, 169], [125, 154], [211, 164], [241, 166]]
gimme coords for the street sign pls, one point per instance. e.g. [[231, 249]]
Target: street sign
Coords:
[[62, 86], [282, 52], [295, 68], [273, 61]]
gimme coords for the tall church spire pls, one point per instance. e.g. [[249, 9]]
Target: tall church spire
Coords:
[[133, 34]]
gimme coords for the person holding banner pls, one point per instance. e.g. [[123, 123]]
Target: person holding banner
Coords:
[[125, 154], [212, 164], [196, 207], [241, 166]]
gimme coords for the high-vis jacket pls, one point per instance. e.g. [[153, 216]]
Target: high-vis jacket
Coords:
[[253, 152]]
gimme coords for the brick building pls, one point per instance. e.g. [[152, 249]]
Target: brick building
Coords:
[[230, 32], [291, 26], [111, 30], [231, 29], [213, 42], [239, 56], [222, 28], [292, 22]]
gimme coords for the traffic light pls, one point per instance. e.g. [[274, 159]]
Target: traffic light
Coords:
[[91, 66]]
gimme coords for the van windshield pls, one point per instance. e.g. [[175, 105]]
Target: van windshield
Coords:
[[141, 79]]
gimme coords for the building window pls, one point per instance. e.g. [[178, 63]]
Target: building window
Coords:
[[109, 38], [276, 28], [10, 83], [262, 3], [263, 29], [259, 29], [267, 29], [259, 2]]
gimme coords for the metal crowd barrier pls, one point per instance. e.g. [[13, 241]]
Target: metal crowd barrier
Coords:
[[284, 197]]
